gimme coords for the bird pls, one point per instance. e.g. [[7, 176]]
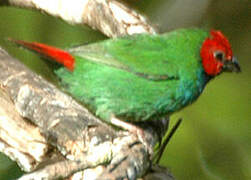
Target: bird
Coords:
[[140, 77]]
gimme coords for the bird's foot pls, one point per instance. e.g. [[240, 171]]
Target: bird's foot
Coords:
[[139, 132]]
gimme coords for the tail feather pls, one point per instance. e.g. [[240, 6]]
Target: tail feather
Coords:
[[53, 53]]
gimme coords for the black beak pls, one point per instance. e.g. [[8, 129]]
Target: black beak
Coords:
[[232, 65]]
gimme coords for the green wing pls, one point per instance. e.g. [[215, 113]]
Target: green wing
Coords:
[[148, 56], [100, 83]]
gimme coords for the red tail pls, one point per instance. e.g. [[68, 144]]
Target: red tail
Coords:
[[50, 52]]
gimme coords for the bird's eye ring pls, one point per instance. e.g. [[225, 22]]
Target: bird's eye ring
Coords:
[[219, 55]]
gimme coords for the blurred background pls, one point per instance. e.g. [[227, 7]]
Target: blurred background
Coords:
[[214, 140]]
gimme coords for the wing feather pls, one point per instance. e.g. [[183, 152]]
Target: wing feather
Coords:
[[143, 55]]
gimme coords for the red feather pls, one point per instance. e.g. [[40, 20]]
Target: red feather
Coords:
[[53, 53], [216, 42]]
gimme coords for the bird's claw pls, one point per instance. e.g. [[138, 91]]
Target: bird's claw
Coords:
[[137, 131]]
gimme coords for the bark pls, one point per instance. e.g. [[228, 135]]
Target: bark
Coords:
[[47, 132], [111, 17]]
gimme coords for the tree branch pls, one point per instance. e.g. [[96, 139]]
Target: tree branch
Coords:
[[62, 133], [50, 134], [111, 17]]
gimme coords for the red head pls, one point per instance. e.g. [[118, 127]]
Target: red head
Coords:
[[217, 56]]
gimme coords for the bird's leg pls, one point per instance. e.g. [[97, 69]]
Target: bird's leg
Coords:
[[160, 151], [139, 132]]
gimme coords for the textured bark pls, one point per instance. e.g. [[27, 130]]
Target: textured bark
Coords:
[[19, 139], [111, 17], [47, 132], [42, 128]]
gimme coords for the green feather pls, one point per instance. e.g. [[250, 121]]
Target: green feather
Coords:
[[139, 77]]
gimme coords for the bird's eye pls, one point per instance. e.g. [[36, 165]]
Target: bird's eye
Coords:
[[219, 55]]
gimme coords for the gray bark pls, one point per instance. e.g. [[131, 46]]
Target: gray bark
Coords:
[[41, 127], [111, 17], [47, 132]]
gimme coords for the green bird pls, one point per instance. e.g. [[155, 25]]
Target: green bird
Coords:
[[142, 77]]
